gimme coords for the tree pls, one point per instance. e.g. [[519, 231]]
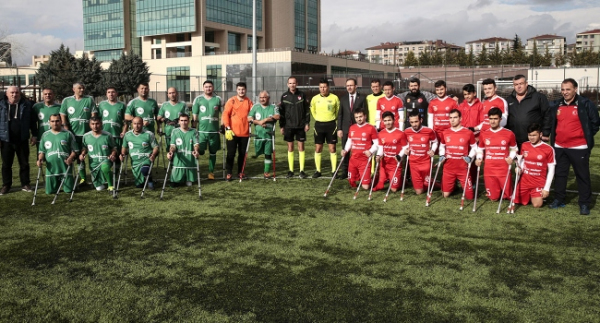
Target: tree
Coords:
[[89, 72], [10, 48], [518, 54], [57, 73], [496, 57], [425, 58], [126, 73], [410, 60], [437, 58], [547, 58], [470, 58], [461, 57], [560, 59], [482, 58]]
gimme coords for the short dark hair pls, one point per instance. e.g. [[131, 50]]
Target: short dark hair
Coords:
[[95, 118], [378, 81], [414, 80], [55, 115], [470, 88], [415, 113], [519, 76], [570, 80], [495, 112], [184, 115], [440, 83], [112, 87], [144, 84], [241, 84], [324, 81], [534, 127], [388, 83], [208, 82], [47, 88], [359, 110], [488, 81], [351, 79], [387, 114], [455, 111], [292, 77]]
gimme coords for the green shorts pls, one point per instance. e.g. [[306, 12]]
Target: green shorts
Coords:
[[213, 140], [53, 182], [263, 146]]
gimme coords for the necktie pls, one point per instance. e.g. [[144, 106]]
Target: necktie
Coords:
[[351, 102]]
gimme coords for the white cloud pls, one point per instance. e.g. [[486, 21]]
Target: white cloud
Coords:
[[37, 44]]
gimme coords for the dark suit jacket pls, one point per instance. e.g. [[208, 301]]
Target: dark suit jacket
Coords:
[[345, 116]]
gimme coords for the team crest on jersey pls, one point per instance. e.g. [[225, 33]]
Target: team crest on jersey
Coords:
[[503, 142], [351, 133], [47, 145], [139, 110], [145, 144], [395, 141], [462, 140], [90, 148], [410, 138], [257, 116], [393, 108], [574, 112], [422, 138], [487, 142], [525, 154], [167, 114], [86, 109], [420, 100], [364, 134], [383, 141], [41, 116], [105, 113], [63, 142], [407, 100], [447, 108], [104, 147], [447, 139], [558, 112], [202, 109], [71, 110], [435, 108], [539, 157], [130, 145], [299, 97], [178, 142]]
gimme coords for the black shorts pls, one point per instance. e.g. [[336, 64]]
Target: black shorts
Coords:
[[326, 132], [290, 133]]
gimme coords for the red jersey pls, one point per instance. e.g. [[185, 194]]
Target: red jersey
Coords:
[[457, 143], [535, 163], [419, 143], [472, 114], [392, 142], [439, 113], [497, 145], [393, 105], [569, 133], [495, 102], [361, 138]]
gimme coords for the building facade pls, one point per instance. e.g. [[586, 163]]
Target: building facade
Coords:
[[588, 40], [554, 44], [490, 44], [395, 53]]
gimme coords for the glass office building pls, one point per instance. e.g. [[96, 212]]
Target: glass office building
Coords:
[[236, 13], [159, 17], [103, 25]]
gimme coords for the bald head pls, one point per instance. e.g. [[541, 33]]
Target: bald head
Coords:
[[172, 94], [138, 124]]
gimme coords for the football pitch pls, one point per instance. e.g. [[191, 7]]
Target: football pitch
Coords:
[[265, 251]]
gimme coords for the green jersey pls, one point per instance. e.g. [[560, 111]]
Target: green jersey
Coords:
[[98, 148], [207, 111], [140, 146], [79, 113], [258, 112], [172, 112], [147, 110], [184, 141], [113, 116], [56, 148], [43, 113]]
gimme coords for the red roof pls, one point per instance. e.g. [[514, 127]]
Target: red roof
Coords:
[[547, 36], [488, 40], [595, 31], [387, 45]]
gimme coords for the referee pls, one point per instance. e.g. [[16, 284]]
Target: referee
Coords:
[[324, 109]]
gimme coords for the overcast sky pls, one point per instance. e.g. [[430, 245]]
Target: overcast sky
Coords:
[[42, 25]]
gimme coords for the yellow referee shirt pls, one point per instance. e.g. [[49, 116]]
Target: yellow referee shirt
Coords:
[[325, 108]]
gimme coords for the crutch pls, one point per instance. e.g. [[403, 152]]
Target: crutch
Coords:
[[430, 189], [273, 144], [126, 169], [147, 178], [511, 206], [62, 182], [165, 182], [198, 174], [160, 149], [246, 155], [334, 175], [37, 181], [375, 176], [404, 180], [476, 189], [119, 180], [76, 178], [390, 186], [504, 188], [462, 199], [114, 169], [363, 176], [224, 153]]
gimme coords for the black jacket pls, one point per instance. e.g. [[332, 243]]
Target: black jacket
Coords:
[[532, 109], [345, 115], [294, 109], [28, 121], [417, 101], [588, 116]]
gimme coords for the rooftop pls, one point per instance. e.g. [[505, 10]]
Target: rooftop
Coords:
[[488, 40], [546, 36]]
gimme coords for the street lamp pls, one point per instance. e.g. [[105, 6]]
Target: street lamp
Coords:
[[156, 89]]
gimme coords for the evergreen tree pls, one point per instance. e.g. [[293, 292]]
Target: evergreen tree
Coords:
[[482, 58], [126, 73], [495, 57], [57, 73], [470, 58], [89, 72], [425, 58], [410, 60], [560, 59]]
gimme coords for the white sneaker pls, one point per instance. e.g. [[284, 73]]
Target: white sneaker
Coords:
[[101, 188]]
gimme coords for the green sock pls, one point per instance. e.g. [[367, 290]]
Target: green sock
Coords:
[[212, 161], [105, 169], [82, 171], [268, 165]]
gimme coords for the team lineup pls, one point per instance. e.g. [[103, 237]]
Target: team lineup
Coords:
[[386, 139]]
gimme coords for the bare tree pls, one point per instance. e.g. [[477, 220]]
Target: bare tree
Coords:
[[9, 47]]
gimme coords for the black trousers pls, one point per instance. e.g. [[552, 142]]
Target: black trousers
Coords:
[[344, 168], [8, 156], [580, 160], [237, 144]]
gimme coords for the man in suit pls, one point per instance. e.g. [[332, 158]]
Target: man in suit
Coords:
[[348, 104]]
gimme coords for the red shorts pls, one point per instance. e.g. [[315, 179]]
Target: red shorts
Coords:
[[526, 190], [386, 173], [494, 186], [456, 169], [356, 169], [420, 174]]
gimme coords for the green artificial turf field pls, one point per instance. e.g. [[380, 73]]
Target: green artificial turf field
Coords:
[[265, 251]]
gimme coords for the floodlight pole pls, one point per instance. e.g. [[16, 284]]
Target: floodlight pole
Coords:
[[254, 50]]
